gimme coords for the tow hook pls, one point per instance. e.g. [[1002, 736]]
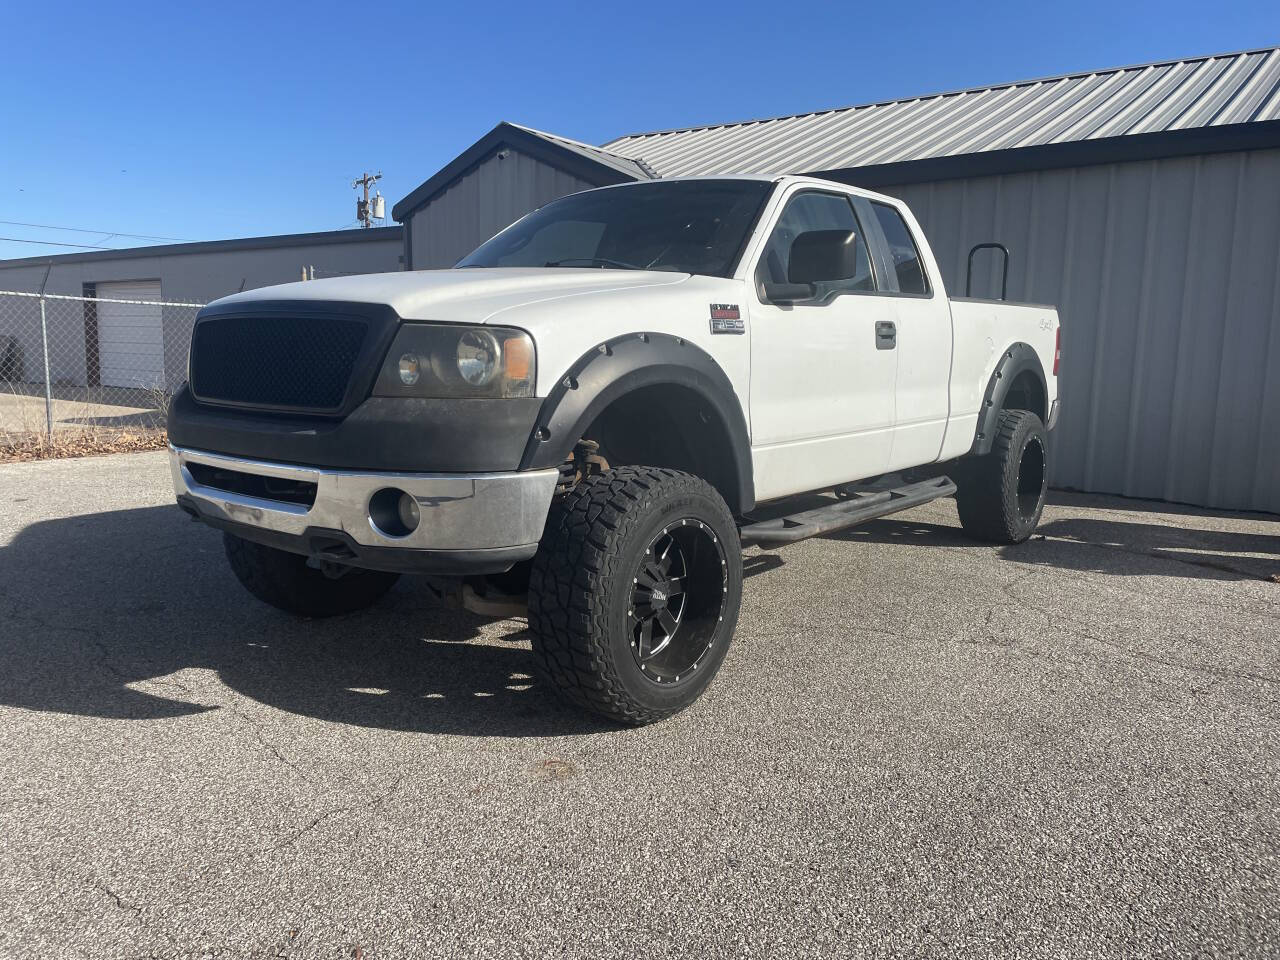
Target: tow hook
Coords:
[[458, 594], [502, 606], [332, 569], [331, 557]]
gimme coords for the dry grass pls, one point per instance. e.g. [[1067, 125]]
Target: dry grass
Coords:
[[31, 445], [122, 429]]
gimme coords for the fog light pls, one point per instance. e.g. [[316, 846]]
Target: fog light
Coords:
[[410, 369], [393, 513], [410, 516]]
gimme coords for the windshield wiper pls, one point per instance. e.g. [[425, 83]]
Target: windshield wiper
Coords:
[[593, 261]]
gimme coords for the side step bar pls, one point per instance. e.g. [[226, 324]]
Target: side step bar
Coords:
[[845, 513]]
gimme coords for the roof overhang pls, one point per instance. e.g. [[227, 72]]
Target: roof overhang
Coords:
[[586, 163], [390, 234], [1055, 156]]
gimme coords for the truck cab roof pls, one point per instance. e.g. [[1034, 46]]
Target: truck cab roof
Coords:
[[782, 181]]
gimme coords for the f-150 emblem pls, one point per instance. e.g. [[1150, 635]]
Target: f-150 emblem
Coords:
[[727, 318]]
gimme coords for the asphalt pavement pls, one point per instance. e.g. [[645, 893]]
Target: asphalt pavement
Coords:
[[918, 746]]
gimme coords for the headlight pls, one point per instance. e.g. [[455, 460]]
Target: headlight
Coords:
[[446, 360], [478, 356]]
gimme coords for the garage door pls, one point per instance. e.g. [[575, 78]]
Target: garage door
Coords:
[[130, 335]]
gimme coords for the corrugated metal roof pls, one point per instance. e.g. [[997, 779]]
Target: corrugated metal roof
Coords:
[[1152, 98]]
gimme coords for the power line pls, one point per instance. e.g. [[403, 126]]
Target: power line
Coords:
[[113, 233], [50, 243]]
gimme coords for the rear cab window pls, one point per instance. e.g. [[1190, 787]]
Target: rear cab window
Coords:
[[908, 266]]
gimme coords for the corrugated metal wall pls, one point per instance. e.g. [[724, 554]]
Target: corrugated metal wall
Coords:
[[1167, 276], [480, 203]]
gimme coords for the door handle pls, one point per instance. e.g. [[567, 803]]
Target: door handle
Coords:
[[886, 334]]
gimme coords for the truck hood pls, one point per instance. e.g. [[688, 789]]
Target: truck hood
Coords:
[[471, 295]]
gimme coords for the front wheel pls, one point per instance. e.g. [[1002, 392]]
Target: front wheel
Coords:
[[1000, 495], [634, 593]]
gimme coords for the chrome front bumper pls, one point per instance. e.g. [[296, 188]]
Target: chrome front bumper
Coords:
[[500, 514]]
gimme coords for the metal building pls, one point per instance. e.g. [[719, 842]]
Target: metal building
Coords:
[[204, 271], [1144, 201], [115, 344]]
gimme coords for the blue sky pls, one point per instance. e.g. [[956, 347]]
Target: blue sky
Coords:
[[209, 120]]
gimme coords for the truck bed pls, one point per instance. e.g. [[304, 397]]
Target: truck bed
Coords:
[[983, 328]]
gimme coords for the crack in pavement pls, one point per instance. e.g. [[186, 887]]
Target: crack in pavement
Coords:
[[1100, 582], [264, 742], [1222, 672], [1114, 645], [372, 806], [120, 901]]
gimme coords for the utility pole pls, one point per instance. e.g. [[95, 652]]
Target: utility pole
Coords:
[[365, 213]]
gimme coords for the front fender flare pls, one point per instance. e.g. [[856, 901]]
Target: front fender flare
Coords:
[[617, 367]]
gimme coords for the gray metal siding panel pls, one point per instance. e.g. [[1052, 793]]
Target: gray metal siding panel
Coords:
[[482, 202], [1167, 276]]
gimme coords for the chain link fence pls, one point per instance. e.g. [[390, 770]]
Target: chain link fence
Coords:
[[88, 372]]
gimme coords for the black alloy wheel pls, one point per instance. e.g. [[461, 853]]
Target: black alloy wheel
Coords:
[[677, 600], [1032, 479]]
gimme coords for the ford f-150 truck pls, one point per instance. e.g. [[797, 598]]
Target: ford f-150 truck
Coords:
[[597, 409]]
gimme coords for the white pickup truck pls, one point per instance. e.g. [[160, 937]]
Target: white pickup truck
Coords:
[[586, 414]]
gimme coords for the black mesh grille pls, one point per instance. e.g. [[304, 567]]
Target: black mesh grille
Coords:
[[274, 361]]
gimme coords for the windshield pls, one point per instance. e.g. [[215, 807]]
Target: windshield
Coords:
[[687, 226]]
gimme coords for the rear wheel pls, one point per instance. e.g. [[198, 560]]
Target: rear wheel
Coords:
[[289, 582], [1000, 495], [634, 593]]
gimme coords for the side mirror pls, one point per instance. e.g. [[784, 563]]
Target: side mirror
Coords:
[[823, 255], [784, 293]]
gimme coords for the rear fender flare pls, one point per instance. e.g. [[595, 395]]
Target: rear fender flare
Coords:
[[1017, 359]]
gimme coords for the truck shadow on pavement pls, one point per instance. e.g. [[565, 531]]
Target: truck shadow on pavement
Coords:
[[102, 612], [1114, 547], [905, 533], [1126, 548]]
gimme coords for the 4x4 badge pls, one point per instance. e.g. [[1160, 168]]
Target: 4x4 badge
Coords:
[[727, 318]]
